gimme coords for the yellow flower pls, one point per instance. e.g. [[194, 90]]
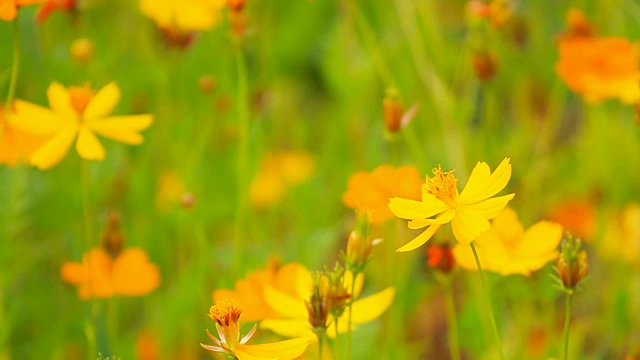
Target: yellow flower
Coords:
[[226, 314], [77, 113], [292, 311], [184, 15], [621, 239], [15, 146], [508, 249], [469, 212]]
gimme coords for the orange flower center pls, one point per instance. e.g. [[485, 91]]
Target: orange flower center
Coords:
[[226, 313], [443, 185], [80, 98]]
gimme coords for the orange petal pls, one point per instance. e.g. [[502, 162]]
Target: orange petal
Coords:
[[133, 274]]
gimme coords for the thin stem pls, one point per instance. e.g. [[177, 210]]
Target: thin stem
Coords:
[[567, 323], [352, 290], [13, 81], [337, 339], [452, 321], [242, 159], [485, 290], [90, 329], [320, 335]]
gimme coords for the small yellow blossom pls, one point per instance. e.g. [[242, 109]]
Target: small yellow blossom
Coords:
[[184, 15], [469, 212], [77, 114], [508, 249], [621, 240], [226, 314]]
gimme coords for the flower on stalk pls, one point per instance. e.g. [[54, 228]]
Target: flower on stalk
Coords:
[[9, 8], [226, 314], [468, 212], [77, 114], [370, 192], [506, 248], [394, 115], [359, 244], [572, 264]]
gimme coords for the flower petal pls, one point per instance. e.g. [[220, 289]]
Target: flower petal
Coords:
[[467, 225], [540, 239], [288, 327], [371, 307], [125, 129], [482, 185], [412, 209], [88, 145], [36, 119], [53, 150], [103, 103], [490, 208], [59, 100], [287, 349], [133, 274], [285, 304], [443, 218], [420, 239]]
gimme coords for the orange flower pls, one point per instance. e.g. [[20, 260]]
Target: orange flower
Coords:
[[51, 5], [102, 276], [15, 145], [9, 8], [370, 192], [576, 216], [598, 68]]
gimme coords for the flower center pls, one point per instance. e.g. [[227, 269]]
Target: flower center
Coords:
[[443, 185], [80, 98], [226, 314]]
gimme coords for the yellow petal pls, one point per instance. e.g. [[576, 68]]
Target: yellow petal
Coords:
[[444, 218], [54, 149], [481, 185], [103, 103], [464, 257], [88, 145], [541, 238], [35, 119], [420, 239], [59, 100], [490, 208], [285, 304], [371, 307], [412, 209], [122, 128], [467, 225], [285, 350], [288, 327], [348, 279], [524, 266]]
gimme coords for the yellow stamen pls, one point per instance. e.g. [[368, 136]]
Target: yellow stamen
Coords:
[[225, 312], [443, 185], [80, 97]]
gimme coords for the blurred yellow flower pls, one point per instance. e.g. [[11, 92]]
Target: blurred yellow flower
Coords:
[[598, 68], [506, 248], [621, 239], [15, 146], [226, 314], [370, 192], [184, 15], [77, 113], [100, 275], [9, 8], [169, 190], [278, 172], [292, 314], [469, 212]]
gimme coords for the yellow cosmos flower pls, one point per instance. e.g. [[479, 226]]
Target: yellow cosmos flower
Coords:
[[77, 113], [292, 314], [226, 314], [184, 15], [469, 212], [508, 249]]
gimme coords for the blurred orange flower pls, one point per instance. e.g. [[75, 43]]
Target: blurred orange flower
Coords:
[[598, 68], [77, 113], [15, 146], [577, 216], [370, 192], [101, 276], [9, 8], [52, 5]]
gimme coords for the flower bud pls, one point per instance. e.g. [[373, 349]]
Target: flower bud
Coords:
[[318, 304], [484, 65], [572, 264], [112, 238], [440, 258], [392, 111], [82, 50]]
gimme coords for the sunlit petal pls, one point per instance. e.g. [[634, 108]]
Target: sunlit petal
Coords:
[[420, 239], [412, 209], [490, 208], [481, 185], [288, 327], [467, 225], [286, 349], [125, 129], [59, 99], [35, 119], [284, 304], [88, 145], [443, 218], [103, 103], [54, 150], [371, 307]]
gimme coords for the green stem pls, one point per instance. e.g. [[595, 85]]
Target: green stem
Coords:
[[13, 81], [112, 326], [567, 322], [452, 322], [242, 159], [485, 290], [90, 329], [320, 336]]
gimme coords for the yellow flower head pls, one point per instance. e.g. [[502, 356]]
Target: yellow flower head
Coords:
[[184, 15], [226, 314], [77, 113], [508, 249], [469, 212]]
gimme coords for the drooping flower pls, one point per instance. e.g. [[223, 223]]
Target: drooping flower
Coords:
[[598, 68], [506, 248], [100, 275], [9, 8], [226, 314], [293, 314], [77, 114], [16, 146], [469, 212], [370, 192]]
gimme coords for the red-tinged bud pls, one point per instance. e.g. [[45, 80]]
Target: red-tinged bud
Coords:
[[112, 239], [440, 258], [578, 25], [484, 65], [572, 265], [392, 111], [236, 5], [238, 23], [318, 303], [177, 38]]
